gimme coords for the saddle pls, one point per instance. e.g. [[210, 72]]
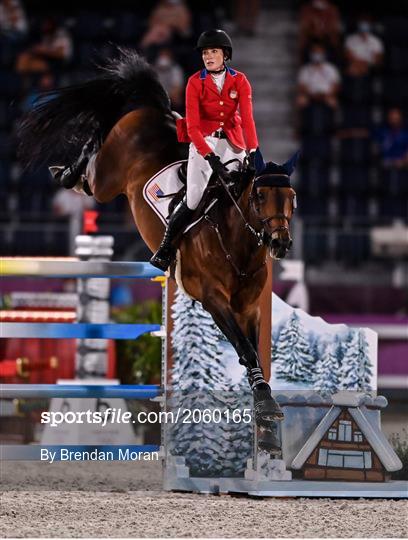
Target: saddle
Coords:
[[214, 190]]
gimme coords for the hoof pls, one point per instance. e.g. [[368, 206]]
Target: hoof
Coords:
[[266, 408], [63, 176], [266, 412], [268, 441], [56, 171]]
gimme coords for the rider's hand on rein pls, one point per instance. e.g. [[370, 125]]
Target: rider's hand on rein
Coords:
[[250, 162], [217, 166]]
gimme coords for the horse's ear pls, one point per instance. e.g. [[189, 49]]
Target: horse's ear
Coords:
[[290, 165], [259, 162]]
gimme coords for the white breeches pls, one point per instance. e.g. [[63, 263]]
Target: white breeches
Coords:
[[199, 170]]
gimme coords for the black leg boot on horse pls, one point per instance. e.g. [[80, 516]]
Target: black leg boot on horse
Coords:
[[267, 431], [267, 412], [266, 408], [178, 220]]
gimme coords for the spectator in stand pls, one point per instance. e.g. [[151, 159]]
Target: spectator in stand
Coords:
[[392, 141], [363, 49], [67, 202], [53, 50], [246, 16], [320, 21], [318, 80], [175, 14], [169, 17], [171, 76], [159, 35], [13, 20]]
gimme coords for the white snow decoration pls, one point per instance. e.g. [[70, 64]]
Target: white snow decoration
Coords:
[[307, 353]]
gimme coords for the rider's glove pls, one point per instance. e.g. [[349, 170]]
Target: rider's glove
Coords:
[[251, 161], [217, 166]]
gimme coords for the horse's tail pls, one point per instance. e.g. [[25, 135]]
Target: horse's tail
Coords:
[[62, 121]]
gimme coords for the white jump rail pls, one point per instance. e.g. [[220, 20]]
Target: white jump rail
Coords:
[[72, 268]]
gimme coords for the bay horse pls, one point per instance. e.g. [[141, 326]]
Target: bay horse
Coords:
[[124, 115]]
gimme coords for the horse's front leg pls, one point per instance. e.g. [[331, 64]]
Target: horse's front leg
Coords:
[[268, 435], [266, 408]]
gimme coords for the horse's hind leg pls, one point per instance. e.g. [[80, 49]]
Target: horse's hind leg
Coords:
[[70, 177], [266, 408]]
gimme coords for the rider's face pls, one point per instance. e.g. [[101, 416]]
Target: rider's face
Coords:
[[213, 59]]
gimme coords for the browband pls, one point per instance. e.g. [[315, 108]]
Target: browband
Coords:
[[272, 180]]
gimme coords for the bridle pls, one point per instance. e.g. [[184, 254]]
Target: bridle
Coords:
[[261, 236], [273, 180]]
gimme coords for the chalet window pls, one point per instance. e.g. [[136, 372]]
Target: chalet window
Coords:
[[367, 460], [344, 458], [354, 461], [358, 436], [322, 457], [332, 435], [334, 459], [345, 430]]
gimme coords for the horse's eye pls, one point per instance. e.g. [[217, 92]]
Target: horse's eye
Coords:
[[261, 196]]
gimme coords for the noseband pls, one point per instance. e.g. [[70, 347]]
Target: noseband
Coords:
[[277, 229]]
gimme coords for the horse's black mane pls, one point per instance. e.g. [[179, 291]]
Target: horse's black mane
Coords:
[[70, 116]]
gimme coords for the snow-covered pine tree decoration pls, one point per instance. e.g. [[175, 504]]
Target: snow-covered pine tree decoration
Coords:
[[356, 367], [195, 348], [239, 434], [279, 352], [327, 371], [366, 366], [315, 349], [200, 382], [291, 353], [338, 351]]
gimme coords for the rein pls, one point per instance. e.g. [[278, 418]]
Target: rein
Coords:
[[259, 235], [228, 256]]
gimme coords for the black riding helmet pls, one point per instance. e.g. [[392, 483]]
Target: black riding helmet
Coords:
[[217, 39]]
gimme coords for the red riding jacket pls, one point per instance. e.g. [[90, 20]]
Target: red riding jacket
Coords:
[[208, 110]]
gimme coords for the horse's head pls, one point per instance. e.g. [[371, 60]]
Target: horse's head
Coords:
[[273, 201]]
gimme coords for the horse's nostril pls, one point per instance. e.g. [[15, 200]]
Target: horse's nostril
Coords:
[[278, 243]]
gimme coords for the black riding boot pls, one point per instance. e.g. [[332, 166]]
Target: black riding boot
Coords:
[[178, 220]]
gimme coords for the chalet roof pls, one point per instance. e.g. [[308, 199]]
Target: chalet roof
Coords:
[[368, 426]]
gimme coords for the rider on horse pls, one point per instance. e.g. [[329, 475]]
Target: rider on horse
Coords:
[[215, 129]]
